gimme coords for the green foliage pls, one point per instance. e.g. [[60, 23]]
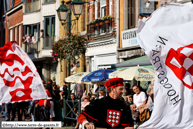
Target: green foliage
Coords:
[[106, 17], [69, 47]]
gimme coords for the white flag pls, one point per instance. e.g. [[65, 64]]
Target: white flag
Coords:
[[19, 79], [167, 39]]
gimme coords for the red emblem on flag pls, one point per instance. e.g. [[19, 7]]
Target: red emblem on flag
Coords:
[[113, 117], [181, 63]]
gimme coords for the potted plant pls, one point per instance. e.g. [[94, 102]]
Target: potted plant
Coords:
[[92, 23], [107, 18], [97, 22], [69, 47]]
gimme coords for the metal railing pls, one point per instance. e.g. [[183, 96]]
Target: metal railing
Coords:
[[69, 109], [49, 1], [48, 42], [31, 48], [32, 6], [98, 32]]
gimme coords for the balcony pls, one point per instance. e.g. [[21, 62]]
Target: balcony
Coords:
[[100, 30], [48, 42], [43, 44], [31, 48], [32, 6]]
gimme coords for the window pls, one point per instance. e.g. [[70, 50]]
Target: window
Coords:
[[110, 7], [12, 3], [15, 34], [10, 34], [96, 9], [32, 5], [28, 30], [49, 33], [19, 35], [103, 8], [103, 13], [131, 14]]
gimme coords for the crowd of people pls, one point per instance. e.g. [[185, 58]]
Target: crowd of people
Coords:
[[139, 103]]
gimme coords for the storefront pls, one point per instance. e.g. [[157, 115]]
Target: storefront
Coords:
[[101, 54]]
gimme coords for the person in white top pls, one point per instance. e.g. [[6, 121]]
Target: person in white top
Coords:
[[139, 97]]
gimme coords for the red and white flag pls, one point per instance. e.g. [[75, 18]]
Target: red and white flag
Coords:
[[167, 39], [19, 79]]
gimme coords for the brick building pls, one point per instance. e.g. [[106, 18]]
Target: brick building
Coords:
[[102, 46], [4, 5], [13, 24]]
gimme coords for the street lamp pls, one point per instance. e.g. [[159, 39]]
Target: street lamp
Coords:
[[63, 11], [76, 6]]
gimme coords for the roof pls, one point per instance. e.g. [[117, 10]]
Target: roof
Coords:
[[142, 61]]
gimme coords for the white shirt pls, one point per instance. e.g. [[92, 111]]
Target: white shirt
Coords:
[[138, 99]]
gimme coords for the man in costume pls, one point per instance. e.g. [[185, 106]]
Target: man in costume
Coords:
[[108, 112]]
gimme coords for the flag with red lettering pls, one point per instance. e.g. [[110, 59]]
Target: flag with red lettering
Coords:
[[167, 39], [19, 79]]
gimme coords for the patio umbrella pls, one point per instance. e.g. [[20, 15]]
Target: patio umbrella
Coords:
[[138, 73], [76, 77], [97, 76]]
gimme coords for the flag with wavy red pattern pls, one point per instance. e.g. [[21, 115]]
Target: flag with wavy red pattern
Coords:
[[19, 79]]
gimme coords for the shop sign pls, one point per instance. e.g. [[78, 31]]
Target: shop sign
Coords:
[[129, 38]]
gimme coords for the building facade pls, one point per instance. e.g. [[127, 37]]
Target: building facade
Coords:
[[129, 11], [102, 42], [78, 26], [3, 9], [14, 22], [41, 15]]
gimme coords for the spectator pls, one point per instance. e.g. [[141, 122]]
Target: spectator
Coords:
[[28, 40], [45, 107], [49, 85], [3, 110], [54, 80], [55, 95], [43, 81], [84, 103], [140, 16], [102, 94], [73, 104], [42, 33], [130, 100], [99, 87], [73, 88], [79, 90], [93, 97], [73, 69], [150, 102], [127, 89], [64, 89], [34, 39], [139, 99], [10, 108]]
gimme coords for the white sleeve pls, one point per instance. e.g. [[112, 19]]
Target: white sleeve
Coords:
[[83, 123], [143, 96]]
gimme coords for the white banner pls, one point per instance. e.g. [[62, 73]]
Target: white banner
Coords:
[[167, 39], [19, 79]]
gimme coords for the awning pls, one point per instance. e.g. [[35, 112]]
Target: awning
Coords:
[[45, 59], [141, 61]]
